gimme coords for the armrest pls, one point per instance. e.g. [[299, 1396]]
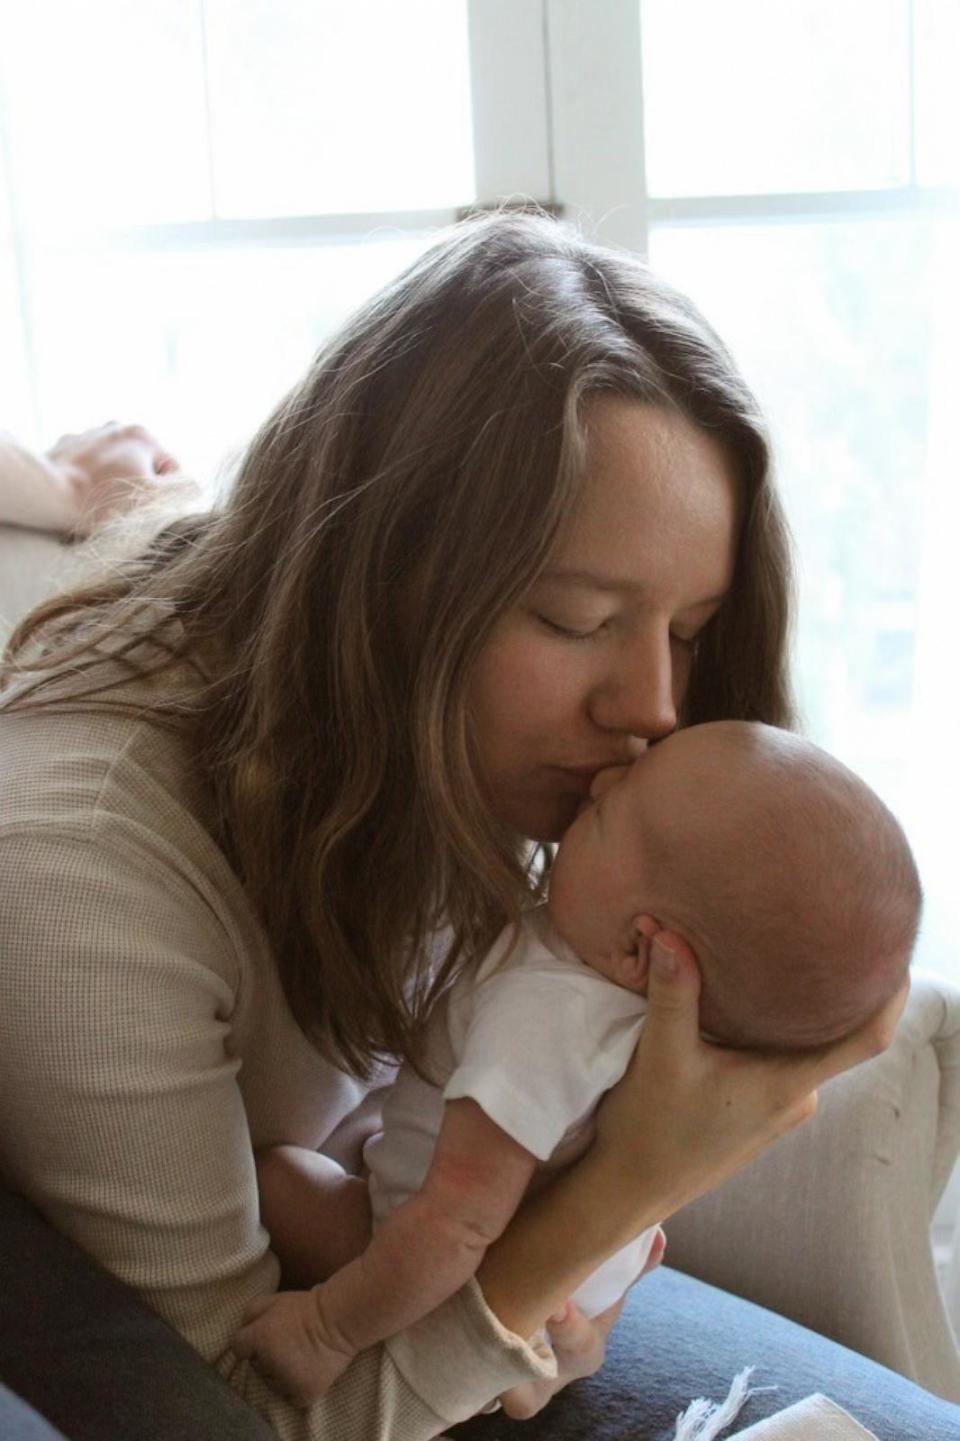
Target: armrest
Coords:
[[33, 565], [88, 1354], [830, 1227], [943, 1011]]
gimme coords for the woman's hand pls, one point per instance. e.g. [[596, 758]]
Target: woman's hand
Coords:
[[579, 1345], [688, 1114], [108, 470], [684, 1118]]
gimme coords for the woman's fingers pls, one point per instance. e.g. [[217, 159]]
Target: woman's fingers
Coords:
[[674, 989], [871, 1040], [673, 996], [579, 1345]]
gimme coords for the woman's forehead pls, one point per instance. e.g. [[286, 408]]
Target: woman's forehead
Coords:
[[659, 498]]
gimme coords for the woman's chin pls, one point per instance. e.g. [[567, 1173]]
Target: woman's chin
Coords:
[[546, 821]]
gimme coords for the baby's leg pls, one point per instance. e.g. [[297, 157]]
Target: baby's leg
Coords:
[[318, 1217]]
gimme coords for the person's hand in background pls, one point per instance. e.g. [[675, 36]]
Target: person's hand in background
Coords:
[[107, 471], [87, 479]]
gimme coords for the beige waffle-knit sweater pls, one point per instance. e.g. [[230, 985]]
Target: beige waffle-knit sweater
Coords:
[[145, 1049]]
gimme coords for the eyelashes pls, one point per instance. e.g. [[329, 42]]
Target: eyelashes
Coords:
[[687, 642], [566, 632]]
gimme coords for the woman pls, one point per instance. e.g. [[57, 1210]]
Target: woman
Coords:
[[268, 788]]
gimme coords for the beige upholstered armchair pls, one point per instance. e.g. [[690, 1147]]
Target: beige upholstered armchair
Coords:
[[831, 1227]]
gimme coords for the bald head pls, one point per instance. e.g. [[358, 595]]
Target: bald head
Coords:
[[791, 878]]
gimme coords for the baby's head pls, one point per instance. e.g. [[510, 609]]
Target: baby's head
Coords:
[[789, 877]]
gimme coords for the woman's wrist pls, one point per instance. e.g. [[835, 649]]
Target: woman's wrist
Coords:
[[558, 1239]]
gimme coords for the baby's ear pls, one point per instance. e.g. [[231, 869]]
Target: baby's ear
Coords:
[[647, 926], [642, 930]]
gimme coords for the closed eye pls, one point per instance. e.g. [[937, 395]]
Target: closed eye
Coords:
[[688, 638], [567, 632]]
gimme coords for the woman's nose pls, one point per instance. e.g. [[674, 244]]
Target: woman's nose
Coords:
[[637, 697]]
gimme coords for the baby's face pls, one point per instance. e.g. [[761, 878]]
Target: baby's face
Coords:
[[603, 877]]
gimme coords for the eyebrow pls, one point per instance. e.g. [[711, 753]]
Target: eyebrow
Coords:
[[593, 580]]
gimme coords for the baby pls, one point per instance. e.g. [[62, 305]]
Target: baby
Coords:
[[797, 891]]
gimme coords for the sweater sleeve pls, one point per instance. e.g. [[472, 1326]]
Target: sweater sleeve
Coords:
[[125, 1125], [31, 493]]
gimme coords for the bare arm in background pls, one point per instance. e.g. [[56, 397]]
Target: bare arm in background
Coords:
[[82, 480]]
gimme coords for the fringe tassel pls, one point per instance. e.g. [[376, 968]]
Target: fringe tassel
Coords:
[[704, 1420]]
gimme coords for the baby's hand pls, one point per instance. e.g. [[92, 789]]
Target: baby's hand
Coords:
[[289, 1342]]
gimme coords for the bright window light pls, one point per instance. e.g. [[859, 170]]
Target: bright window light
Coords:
[[323, 107], [760, 96], [846, 331]]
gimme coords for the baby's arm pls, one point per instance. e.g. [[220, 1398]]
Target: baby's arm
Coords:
[[424, 1252]]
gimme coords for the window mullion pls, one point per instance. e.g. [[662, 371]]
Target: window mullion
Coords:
[[911, 63], [596, 88], [203, 31], [508, 74]]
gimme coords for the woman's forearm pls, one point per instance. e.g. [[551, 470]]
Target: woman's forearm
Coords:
[[556, 1240]]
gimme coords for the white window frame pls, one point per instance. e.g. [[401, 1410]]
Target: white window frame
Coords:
[[594, 53], [510, 79], [557, 107]]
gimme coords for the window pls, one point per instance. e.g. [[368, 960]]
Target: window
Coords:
[[799, 159], [216, 184]]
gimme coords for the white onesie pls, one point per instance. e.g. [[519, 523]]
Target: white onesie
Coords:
[[535, 1041]]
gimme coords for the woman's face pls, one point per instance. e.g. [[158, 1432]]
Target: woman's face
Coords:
[[592, 663]]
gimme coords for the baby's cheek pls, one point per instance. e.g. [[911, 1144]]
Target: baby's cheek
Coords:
[[563, 902], [580, 913]]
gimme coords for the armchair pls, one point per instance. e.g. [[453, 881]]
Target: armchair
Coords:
[[831, 1227]]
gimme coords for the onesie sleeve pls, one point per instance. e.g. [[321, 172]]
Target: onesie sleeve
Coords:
[[124, 1123], [539, 1052]]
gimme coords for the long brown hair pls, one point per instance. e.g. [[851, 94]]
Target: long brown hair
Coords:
[[422, 468]]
